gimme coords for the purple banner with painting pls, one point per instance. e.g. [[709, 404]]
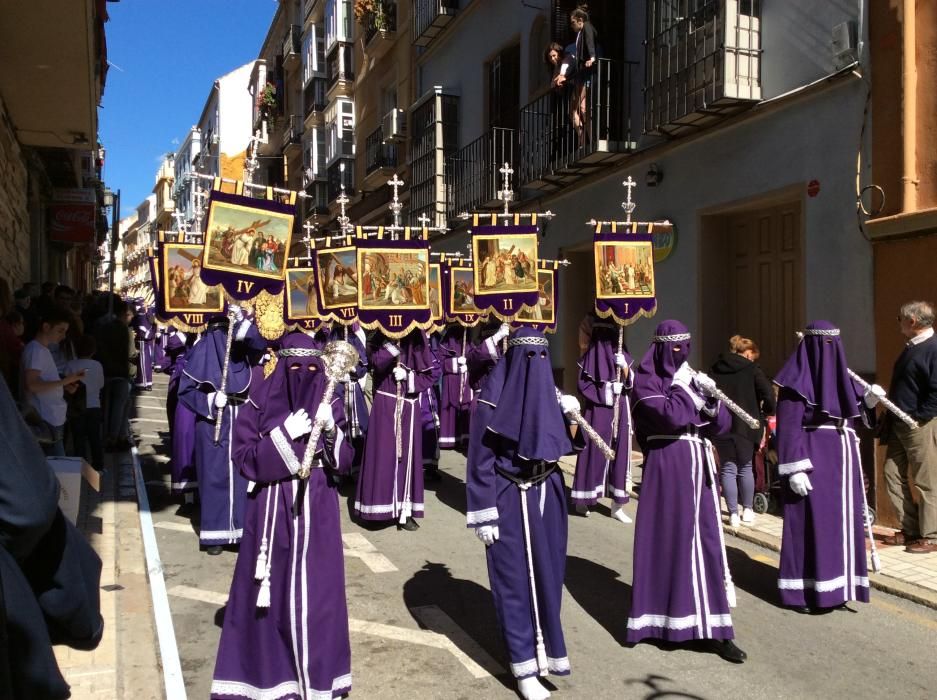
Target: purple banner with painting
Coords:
[[624, 276], [301, 307], [394, 294], [458, 289], [542, 315], [180, 292], [337, 276], [246, 244], [505, 269]]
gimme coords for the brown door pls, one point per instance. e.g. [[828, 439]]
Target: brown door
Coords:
[[765, 280]]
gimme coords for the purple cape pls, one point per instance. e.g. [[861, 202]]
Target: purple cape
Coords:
[[817, 371], [532, 419], [205, 363]]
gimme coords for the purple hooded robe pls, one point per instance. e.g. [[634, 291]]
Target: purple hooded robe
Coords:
[[823, 559], [595, 475], [678, 584], [285, 631], [512, 481], [455, 396]]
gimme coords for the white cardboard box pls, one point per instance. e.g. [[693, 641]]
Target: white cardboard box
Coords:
[[69, 471]]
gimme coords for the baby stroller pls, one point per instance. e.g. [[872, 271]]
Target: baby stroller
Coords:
[[765, 467]]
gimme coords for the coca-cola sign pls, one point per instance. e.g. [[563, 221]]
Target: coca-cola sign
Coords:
[[70, 222]]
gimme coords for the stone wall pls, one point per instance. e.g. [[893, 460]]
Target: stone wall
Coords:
[[14, 215]]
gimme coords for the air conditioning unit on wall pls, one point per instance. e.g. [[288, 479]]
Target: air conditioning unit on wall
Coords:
[[394, 126]]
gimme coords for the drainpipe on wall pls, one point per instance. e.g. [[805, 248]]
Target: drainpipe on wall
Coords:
[[909, 181]]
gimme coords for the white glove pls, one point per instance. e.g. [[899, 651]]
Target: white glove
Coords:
[[705, 384], [325, 418], [221, 399], [569, 403], [617, 388], [460, 361], [399, 374], [873, 395], [463, 369], [683, 374], [620, 359], [487, 534], [800, 483], [297, 424], [501, 333]]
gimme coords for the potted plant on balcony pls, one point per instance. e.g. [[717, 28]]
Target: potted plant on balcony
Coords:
[[372, 13], [267, 104]]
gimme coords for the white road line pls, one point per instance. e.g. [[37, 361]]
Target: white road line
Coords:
[[357, 546], [443, 630], [178, 527], [470, 654], [198, 594], [168, 650]]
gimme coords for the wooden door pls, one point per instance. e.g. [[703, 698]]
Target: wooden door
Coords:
[[765, 280]]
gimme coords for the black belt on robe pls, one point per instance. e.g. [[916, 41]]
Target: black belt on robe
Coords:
[[533, 473]]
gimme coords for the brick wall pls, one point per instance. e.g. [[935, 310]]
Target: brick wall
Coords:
[[14, 215]]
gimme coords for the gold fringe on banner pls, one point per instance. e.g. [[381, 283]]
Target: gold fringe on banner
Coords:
[[396, 335]]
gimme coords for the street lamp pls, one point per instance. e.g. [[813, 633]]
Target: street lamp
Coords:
[[112, 200]]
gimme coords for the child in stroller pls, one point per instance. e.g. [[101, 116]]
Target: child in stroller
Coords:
[[765, 464]]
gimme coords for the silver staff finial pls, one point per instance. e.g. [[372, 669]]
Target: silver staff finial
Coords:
[[424, 220], [251, 163], [309, 228], [344, 221], [506, 194], [200, 197], [628, 205], [395, 205]]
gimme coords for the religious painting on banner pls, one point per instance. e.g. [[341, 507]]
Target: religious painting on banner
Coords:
[[181, 285], [338, 277], [505, 268], [542, 315], [394, 295], [435, 292], [625, 288], [302, 307], [459, 295], [246, 244]]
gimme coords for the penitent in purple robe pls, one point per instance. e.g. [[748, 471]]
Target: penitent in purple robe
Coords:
[[181, 419], [222, 490], [455, 396], [525, 498], [285, 631], [678, 585], [144, 336], [482, 358], [596, 476], [390, 486], [429, 410], [823, 558]]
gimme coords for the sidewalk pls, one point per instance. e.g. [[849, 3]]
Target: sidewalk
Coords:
[[126, 662], [910, 576]]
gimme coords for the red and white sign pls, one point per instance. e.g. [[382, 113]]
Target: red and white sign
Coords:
[[71, 223]]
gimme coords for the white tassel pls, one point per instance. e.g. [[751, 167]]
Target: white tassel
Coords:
[[730, 593], [263, 597], [260, 569], [542, 659]]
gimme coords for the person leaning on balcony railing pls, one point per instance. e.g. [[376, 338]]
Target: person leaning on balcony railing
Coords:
[[584, 62]]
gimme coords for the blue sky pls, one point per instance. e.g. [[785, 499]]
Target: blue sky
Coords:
[[165, 56]]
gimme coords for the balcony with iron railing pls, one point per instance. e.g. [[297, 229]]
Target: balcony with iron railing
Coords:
[[472, 177], [292, 140], [378, 156], [380, 27], [430, 17], [292, 46], [560, 143]]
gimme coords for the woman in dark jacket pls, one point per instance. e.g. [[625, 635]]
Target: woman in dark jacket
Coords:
[[736, 373]]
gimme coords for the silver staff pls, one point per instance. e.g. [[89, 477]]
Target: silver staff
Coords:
[[338, 358], [750, 421], [224, 372], [905, 418], [607, 451]]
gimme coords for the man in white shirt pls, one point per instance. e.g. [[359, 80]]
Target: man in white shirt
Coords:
[[87, 425], [43, 389]]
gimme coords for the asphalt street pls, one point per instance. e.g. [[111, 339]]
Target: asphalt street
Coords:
[[423, 624]]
